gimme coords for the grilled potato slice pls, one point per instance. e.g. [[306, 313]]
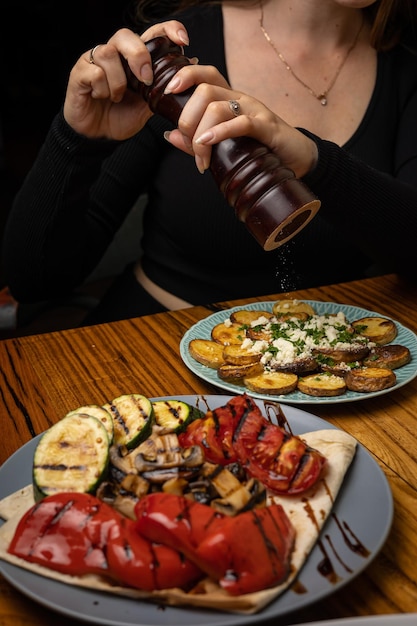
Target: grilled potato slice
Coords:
[[379, 330], [368, 379], [227, 334], [259, 334], [274, 383], [300, 365], [300, 315], [322, 385], [355, 352], [339, 369], [206, 352], [245, 317], [292, 306], [391, 357], [235, 355], [228, 371]]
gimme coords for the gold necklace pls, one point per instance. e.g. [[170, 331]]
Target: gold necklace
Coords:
[[321, 97]]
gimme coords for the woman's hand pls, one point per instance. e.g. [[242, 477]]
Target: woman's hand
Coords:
[[207, 118], [98, 103]]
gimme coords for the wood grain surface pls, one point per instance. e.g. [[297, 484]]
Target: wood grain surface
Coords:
[[44, 376]]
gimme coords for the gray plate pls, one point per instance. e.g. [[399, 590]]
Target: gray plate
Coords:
[[203, 328], [394, 619], [364, 506]]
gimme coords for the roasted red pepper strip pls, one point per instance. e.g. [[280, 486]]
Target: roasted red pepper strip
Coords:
[[239, 432], [214, 541], [261, 560], [175, 521], [137, 562], [67, 533], [214, 433], [281, 461], [76, 534], [203, 432]]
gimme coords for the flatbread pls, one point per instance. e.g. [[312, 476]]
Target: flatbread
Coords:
[[339, 449]]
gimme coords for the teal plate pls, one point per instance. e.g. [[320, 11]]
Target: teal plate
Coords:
[[203, 328]]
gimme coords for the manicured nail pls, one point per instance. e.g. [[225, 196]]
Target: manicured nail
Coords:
[[167, 135], [200, 164], [173, 84], [146, 74], [205, 137], [183, 36], [194, 60]]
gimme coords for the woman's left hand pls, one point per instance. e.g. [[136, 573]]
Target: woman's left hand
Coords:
[[208, 117]]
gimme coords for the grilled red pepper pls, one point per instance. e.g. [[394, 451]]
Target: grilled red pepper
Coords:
[[75, 533], [66, 533], [159, 515], [214, 433], [214, 541], [281, 461], [137, 562], [203, 432], [239, 432]]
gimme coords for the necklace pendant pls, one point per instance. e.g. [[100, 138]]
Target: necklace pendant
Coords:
[[323, 100]]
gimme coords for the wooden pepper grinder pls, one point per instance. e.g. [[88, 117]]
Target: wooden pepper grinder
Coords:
[[273, 204]]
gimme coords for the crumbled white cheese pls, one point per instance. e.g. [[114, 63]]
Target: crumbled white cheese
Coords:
[[259, 346], [295, 339]]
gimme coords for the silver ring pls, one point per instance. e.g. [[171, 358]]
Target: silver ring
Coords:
[[92, 51], [234, 107]]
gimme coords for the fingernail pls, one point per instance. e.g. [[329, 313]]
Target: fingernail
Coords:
[[183, 36], [194, 60], [205, 137], [146, 74], [200, 164], [167, 135], [173, 84]]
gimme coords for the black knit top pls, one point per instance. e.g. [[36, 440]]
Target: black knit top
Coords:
[[79, 191]]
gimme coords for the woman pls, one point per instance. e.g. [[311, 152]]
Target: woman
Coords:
[[333, 91]]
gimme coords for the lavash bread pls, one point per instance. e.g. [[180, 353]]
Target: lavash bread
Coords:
[[338, 447]]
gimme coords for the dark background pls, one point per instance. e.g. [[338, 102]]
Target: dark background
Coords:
[[40, 41]]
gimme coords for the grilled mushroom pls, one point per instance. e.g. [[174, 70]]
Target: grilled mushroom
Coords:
[[123, 495]]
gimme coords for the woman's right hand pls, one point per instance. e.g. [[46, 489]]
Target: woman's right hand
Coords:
[[98, 103]]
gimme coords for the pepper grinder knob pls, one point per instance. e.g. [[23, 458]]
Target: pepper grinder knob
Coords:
[[267, 197]]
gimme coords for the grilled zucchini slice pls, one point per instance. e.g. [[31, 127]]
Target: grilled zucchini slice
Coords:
[[72, 455], [133, 417], [100, 413], [175, 415]]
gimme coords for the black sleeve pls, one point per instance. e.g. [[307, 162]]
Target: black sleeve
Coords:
[[79, 191], [375, 210], [71, 204]]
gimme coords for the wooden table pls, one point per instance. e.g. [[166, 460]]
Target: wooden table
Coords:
[[44, 376]]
